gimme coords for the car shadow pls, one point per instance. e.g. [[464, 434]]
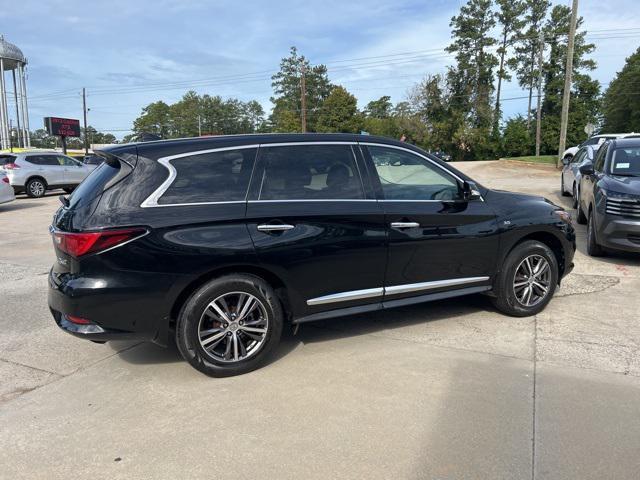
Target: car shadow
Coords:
[[326, 330]]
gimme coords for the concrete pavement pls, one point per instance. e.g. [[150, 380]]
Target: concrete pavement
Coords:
[[447, 390]]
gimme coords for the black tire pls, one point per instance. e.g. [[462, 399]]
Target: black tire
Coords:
[[189, 319], [593, 248], [69, 189], [36, 187], [505, 298], [581, 218], [562, 190]]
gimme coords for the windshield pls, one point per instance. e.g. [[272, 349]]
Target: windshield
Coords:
[[626, 161]]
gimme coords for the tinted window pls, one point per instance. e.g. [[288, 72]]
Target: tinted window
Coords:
[[579, 156], [598, 165], [626, 161], [97, 182], [405, 176], [93, 160], [211, 177], [4, 159], [314, 172], [43, 160], [593, 141]]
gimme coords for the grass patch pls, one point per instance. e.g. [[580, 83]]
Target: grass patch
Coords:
[[548, 159]]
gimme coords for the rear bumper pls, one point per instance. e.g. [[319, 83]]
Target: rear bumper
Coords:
[[619, 233], [115, 313]]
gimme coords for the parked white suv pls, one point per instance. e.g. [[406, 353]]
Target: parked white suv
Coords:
[[36, 172], [595, 142]]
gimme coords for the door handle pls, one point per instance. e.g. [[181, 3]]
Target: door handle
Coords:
[[401, 225], [275, 227]]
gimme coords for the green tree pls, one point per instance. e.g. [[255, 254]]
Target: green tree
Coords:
[[154, 119], [380, 108], [621, 102], [287, 91], [470, 81], [431, 102], [526, 47], [339, 113], [510, 17], [585, 92], [516, 137]]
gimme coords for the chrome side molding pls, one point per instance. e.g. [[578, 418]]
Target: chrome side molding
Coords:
[[346, 296], [394, 290]]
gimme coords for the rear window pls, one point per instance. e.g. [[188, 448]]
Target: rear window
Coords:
[[210, 177], [97, 182], [4, 159]]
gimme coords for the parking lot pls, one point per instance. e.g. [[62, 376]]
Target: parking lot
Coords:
[[445, 390]]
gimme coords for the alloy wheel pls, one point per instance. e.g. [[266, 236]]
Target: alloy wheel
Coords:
[[532, 280], [233, 327], [36, 188]]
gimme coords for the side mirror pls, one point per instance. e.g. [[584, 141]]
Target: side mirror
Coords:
[[470, 191], [566, 161], [587, 169]]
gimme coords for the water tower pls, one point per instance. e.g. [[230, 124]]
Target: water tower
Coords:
[[12, 60]]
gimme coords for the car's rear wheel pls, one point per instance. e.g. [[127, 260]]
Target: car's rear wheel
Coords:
[[230, 325], [593, 248], [527, 280], [36, 188]]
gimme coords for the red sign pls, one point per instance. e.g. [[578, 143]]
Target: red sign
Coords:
[[64, 127]]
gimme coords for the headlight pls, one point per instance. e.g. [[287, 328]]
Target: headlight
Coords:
[[563, 215], [618, 195]]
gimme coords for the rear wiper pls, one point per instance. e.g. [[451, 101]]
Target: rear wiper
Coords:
[[64, 200]]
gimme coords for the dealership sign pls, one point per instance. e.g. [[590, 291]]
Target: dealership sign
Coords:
[[63, 127]]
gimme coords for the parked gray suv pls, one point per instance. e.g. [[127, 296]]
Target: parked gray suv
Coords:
[[36, 172], [610, 197]]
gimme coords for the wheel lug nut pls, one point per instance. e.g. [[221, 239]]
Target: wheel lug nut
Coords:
[[241, 323], [228, 334]]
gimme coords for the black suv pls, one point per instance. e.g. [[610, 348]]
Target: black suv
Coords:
[[221, 242], [610, 197]]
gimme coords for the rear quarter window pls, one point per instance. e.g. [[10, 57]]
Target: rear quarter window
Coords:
[[98, 181], [210, 177], [4, 159]]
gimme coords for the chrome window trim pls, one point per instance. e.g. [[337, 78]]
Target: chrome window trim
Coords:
[[424, 157], [152, 200], [393, 290], [347, 296], [316, 200]]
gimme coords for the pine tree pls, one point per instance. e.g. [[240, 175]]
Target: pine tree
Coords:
[[510, 17], [585, 92], [621, 103], [471, 79], [287, 94], [526, 45]]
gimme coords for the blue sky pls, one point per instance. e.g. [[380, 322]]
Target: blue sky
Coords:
[[130, 53]]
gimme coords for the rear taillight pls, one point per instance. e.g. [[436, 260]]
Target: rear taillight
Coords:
[[78, 320], [11, 166], [78, 244], [5, 179]]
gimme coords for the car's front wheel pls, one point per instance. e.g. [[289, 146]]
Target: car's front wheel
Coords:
[[593, 248], [36, 188], [562, 189], [527, 280], [230, 325]]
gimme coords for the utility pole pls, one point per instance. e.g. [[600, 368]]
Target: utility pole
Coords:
[[199, 126], [303, 100], [84, 114], [539, 106], [567, 82]]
